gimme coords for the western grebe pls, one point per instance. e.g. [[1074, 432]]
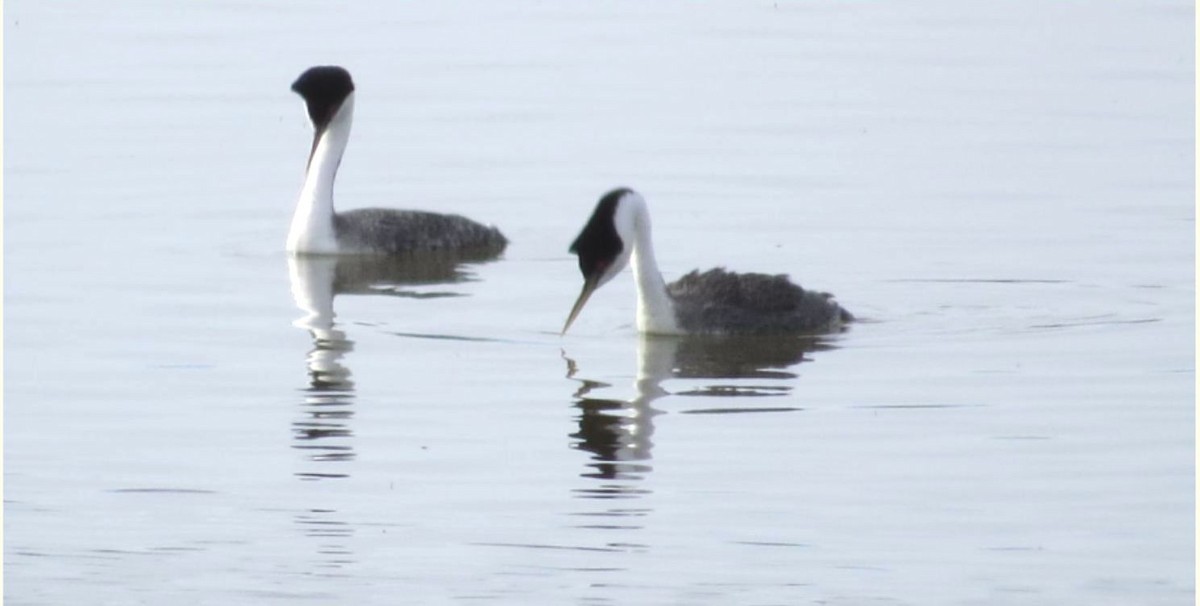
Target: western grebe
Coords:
[[328, 93], [714, 302]]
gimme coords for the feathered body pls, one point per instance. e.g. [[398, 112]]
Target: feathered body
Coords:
[[723, 302], [317, 228], [713, 302], [388, 231]]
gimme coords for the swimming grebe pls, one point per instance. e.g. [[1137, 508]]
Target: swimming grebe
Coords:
[[328, 93], [714, 302]]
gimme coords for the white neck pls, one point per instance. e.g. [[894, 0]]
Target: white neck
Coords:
[[655, 311], [312, 225]]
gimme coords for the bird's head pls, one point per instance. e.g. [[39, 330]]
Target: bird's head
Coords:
[[324, 89], [605, 244]]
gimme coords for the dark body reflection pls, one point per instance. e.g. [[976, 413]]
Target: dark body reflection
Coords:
[[324, 431], [619, 434]]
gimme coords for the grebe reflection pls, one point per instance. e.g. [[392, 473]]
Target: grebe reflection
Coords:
[[619, 434], [324, 431]]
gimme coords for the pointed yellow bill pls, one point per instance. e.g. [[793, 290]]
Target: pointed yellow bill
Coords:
[[589, 287]]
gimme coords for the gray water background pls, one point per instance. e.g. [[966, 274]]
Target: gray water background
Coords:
[[1003, 192]]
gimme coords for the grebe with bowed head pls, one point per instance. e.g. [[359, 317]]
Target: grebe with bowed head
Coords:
[[328, 93], [713, 302]]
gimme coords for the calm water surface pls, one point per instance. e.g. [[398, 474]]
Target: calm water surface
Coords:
[[1003, 193]]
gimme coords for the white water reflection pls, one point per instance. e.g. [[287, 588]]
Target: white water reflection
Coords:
[[325, 431], [619, 433]]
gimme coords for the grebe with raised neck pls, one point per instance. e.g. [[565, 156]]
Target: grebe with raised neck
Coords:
[[713, 302], [328, 93]]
